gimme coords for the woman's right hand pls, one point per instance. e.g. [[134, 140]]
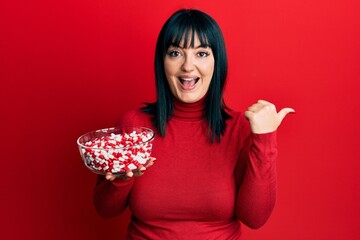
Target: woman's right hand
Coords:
[[131, 173]]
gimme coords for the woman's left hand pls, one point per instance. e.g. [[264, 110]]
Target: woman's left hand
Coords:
[[131, 173], [264, 118]]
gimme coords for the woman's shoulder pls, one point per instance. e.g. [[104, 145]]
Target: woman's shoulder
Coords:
[[235, 115], [237, 120], [134, 117], [132, 113]]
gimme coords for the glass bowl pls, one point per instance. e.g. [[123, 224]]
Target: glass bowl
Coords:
[[116, 150]]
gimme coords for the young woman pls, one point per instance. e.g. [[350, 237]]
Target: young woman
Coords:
[[215, 167]]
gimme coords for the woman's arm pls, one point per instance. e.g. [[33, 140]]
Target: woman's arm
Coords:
[[257, 193], [111, 193], [257, 189], [111, 197]]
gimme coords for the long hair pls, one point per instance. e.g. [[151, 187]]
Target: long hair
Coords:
[[184, 25]]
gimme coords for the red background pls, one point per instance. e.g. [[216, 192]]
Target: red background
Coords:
[[68, 67]]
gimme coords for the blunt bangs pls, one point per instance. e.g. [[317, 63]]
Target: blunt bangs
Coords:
[[187, 35], [184, 27]]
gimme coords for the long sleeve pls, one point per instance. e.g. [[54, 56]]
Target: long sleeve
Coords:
[[111, 198], [257, 192]]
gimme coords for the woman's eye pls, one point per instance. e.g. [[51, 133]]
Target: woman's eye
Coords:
[[203, 54], [174, 53]]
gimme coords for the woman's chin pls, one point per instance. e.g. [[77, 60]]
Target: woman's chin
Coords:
[[189, 98]]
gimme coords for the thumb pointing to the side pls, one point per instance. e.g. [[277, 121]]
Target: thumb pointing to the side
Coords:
[[283, 112]]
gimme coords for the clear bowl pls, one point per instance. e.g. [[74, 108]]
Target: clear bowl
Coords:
[[116, 149]]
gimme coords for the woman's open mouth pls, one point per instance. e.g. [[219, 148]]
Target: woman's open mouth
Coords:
[[188, 83]]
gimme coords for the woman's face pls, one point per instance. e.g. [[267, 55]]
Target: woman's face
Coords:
[[189, 70]]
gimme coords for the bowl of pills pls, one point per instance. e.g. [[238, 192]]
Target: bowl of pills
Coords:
[[116, 150]]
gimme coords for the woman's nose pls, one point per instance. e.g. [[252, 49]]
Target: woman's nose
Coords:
[[188, 64]]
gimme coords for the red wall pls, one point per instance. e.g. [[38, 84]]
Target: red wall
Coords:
[[68, 67]]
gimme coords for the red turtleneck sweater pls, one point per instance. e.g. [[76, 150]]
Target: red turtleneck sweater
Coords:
[[196, 189]]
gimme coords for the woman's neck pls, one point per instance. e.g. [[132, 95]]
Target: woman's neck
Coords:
[[189, 111]]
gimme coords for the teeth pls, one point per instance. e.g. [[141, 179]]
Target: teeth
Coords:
[[188, 79]]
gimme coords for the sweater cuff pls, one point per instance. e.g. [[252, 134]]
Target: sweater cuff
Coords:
[[265, 141], [263, 154], [268, 140], [118, 182]]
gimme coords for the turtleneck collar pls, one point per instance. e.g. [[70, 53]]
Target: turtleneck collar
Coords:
[[189, 111]]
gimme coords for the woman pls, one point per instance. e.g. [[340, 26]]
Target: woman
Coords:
[[215, 166]]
